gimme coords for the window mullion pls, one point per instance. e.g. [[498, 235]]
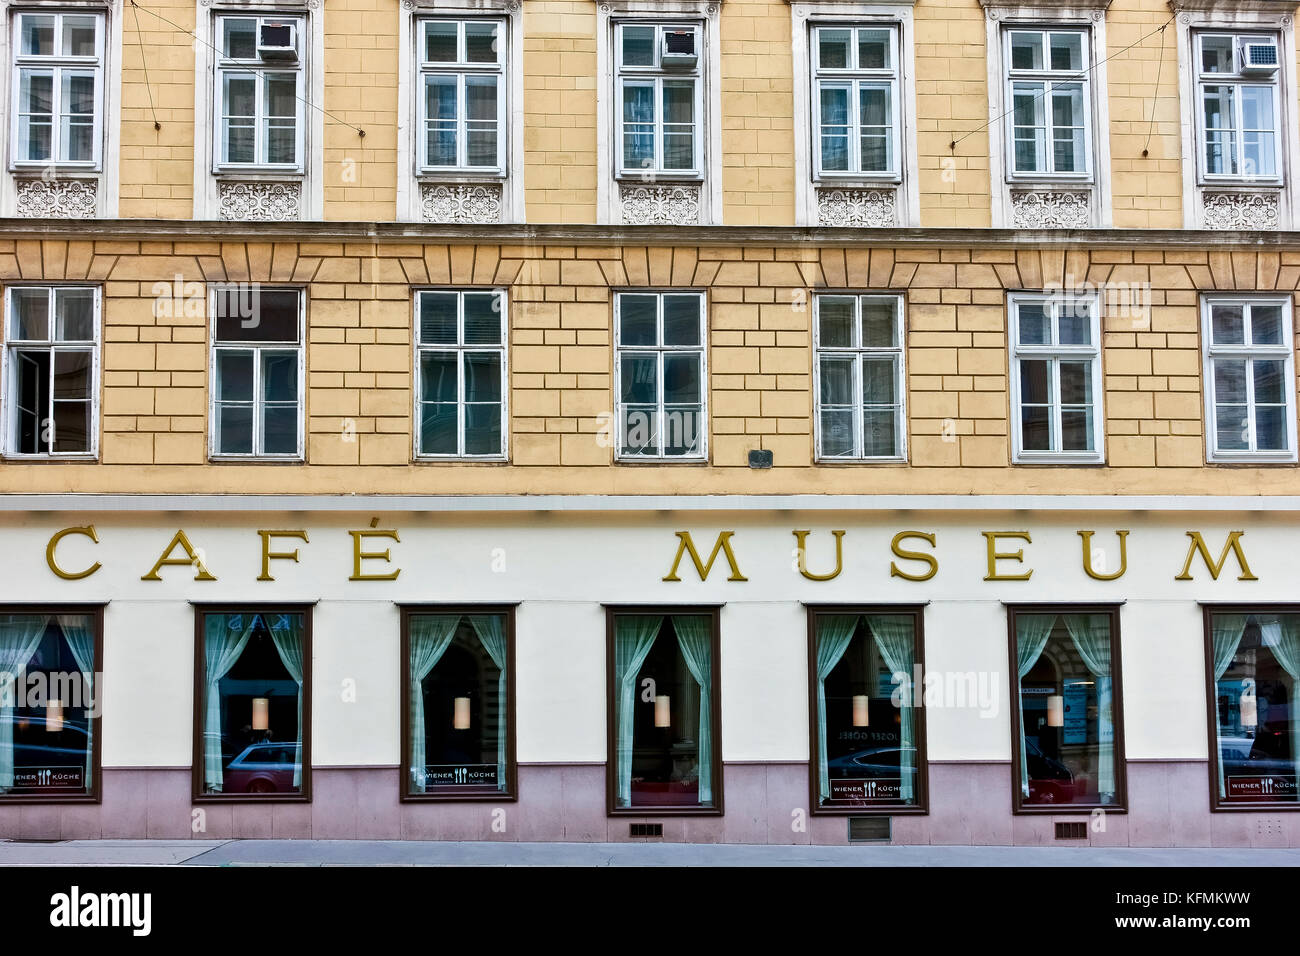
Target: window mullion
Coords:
[[1056, 441], [257, 395], [859, 415], [1251, 438]]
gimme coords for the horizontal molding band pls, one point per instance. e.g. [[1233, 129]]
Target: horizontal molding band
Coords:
[[154, 230], [866, 504]]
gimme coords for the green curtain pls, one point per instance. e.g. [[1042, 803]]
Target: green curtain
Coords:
[[1285, 645], [1091, 636], [695, 640], [80, 635], [1226, 632], [634, 635], [20, 635], [1032, 632], [431, 635], [224, 639], [491, 632], [895, 638], [286, 634], [834, 635]]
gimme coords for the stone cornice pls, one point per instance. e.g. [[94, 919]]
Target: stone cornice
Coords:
[[1234, 6], [187, 230]]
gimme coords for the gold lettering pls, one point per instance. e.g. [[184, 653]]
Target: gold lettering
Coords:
[[268, 554], [687, 546], [89, 532], [929, 559], [991, 538], [201, 572], [358, 539], [1087, 557], [1233, 544], [801, 538]]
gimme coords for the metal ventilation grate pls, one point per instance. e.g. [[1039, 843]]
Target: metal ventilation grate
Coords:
[[646, 830], [869, 829], [1072, 831]]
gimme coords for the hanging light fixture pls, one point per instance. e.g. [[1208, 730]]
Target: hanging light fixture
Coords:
[[261, 713], [1056, 711], [1249, 705], [460, 717], [861, 714], [54, 715], [663, 711]]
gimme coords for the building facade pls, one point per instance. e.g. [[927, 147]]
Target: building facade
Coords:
[[710, 421]]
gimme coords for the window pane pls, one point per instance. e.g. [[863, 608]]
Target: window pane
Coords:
[[834, 128], [1076, 429], [438, 377], [37, 35], [30, 314], [836, 380], [683, 430], [639, 379], [234, 377], [256, 314], [33, 394], [1216, 54], [1035, 428], [255, 746], [1067, 753], [638, 125], [837, 432], [438, 424], [1066, 51], [1227, 325], [1230, 380], [879, 322], [239, 38], [71, 427], [682, 319], [72, 375], [873, 50], [1026, 51], [1074, 321], [481, 44], [682, 378], [833, 49], [281, 110], [1067, 129], [482, 377], [1076, 383], [35, 102], [438, 318], [679, 118], [280, 429], [1034, 324], [482, 429], [1266, 324], [639, 46], [440, 42], [638, 320], [238, 110], [877, 131], [235, 429], [879, 432], [879, 381], [280, 376], [79, 35], [481, 110], [1030, 137], [835, 316], [639, 430], [482, 318], [1270, 428]]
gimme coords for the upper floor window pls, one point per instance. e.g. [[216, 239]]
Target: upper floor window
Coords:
[[1049, 101], [58, 84], [257, 372], [1056, 377], [860, 383], [1249, 378], [461, 354], [856, 100], [659, 375], [259, 92], [52, 370], [659, 98], [1238, 106], [462, 95]]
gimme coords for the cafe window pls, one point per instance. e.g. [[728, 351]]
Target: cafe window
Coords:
[[1066, 718], [252, 701], [458, 739], [664, 754], [868, 734], [49, 714], [1254, 654]]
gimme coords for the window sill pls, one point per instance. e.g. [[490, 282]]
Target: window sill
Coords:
[[1057, 459], [1251, 460], [40, 798], [664, 812], [653, 178], [256, 460], [263, 173], [57, 171], [496, 795], [1244, 185], [1065, 810], [877, 810], [852, 180], [251, 798], [619, 460], [460, 176], [897, 460], [460, 460], [1049, 180], [17, 459], [1254, 807]]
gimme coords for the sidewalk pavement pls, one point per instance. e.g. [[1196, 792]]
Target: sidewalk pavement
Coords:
[[413, 853]]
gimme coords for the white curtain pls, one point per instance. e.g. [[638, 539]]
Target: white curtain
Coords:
[[20, 635], [431, 635], [1284, 641], [894, 637], [1091, 636], [224, 639], [1226, 632], [834, 635], [1032, 632], [286, 634], [491, 632], [80, 635], [633, 637], [695, 640]]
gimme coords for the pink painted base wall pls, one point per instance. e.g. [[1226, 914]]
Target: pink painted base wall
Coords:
[[969, 804]]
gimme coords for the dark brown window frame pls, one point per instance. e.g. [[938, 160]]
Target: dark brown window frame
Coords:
[[460, 795], [1208, 609], [713, 611], [200, 612], [96, 794], [1018, 805], [922, 804]]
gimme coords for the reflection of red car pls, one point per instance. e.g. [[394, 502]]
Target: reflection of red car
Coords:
[[669, 794], [1050, 781], [262, 768]]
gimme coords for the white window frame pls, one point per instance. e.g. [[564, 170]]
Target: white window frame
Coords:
[[1284, 352], [655, 76], [704, 15], [857, 352], [411, 174], [9, 420], [209, 171], [1235, 81], [459, 349], [660, 350], [855, 77], [1056, 353], [258, 70], [257, 348], [462, 70], [57, 65], [1049, 79]]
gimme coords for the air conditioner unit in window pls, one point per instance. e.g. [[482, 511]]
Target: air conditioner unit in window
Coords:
[[277, 41], [678, 51], [1258, 58]]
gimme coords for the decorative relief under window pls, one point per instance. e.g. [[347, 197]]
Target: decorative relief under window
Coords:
[[857, 207], [1050, 209], [260, 202], [443, 202], [56, 198], [1240, 210], [660, 205]]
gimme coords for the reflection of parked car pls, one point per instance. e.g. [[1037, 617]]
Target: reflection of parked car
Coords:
[[1243, 756], [262, 768], [1050, 781], [879, 762], [36, 748]]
